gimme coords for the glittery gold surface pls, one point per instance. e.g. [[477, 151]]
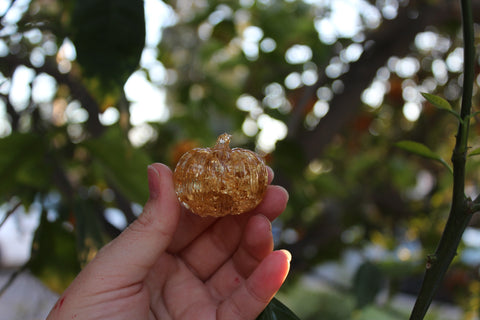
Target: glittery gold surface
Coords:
[[219, 181]]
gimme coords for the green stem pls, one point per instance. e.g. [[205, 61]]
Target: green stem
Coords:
[[461, 209], [437, 265]]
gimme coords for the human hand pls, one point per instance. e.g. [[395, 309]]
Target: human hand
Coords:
[[171, 264]]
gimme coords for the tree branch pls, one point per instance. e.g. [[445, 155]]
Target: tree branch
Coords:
[[12, 278], [77, 89], [10, 212], [461, 209]]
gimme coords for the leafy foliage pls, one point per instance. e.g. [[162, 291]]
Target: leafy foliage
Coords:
[[109, 37], [277, 311], [367, 283], [334, 111], [54, 254], [26, 153], [120, 163]]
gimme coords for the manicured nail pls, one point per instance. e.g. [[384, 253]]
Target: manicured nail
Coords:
[[153, 182]]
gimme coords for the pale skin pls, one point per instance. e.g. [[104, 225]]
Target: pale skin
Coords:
[[171, 264]]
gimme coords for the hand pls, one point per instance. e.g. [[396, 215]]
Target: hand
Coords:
[[171, 264]]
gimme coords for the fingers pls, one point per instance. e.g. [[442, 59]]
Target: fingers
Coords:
[[256, 244], [135, 251], [191, 225], [221, 239], [226, 237], [273, 203], [210, 250], [249, 300]]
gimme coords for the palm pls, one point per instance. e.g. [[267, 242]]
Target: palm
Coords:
[[210, 268]]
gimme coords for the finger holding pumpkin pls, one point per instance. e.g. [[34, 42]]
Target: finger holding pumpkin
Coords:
[[192, 225]]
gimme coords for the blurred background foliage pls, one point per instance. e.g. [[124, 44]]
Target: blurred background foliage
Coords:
[[93, 91]]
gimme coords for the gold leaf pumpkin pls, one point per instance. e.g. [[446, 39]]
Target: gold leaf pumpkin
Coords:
[[219, 181]]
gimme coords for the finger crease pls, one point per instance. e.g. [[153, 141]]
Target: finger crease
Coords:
[[255, 296]]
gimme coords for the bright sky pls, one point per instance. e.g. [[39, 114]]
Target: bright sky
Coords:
[[16, 235]]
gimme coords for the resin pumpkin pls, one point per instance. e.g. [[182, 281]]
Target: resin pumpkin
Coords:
[[219, 181]]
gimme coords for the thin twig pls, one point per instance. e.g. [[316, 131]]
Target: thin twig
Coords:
[[461, 209], [12, 278], [7, 9], [10, 212]]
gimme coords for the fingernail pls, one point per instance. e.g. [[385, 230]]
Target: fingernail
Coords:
[[271, 174], [153, 182], [288, 254]]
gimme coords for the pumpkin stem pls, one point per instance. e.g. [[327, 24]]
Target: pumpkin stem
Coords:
[[221, 150], [223, 141]]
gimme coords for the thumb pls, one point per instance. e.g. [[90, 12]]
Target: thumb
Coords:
[[138, 247]]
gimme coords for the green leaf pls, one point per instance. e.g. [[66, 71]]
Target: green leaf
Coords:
[[109, 36], [437, 101], [276, 310], [474, 152], [23, 166], [422, 150], [417, 148], [440, 103], [120, 163], [88, 229], [54, 254], [367, 283], [472, 115]]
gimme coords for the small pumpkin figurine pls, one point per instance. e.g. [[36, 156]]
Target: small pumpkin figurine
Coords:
[[219, 181]]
